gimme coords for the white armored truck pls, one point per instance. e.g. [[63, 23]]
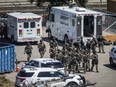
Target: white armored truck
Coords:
[[70, 22], [24, 27]]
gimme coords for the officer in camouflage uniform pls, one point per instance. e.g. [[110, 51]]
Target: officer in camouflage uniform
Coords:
[[88, 61], [82, 43], [94, 57], [58, 55], [28, 51], [51, 43], [78, 60], [52, 52], [55, 43], [88, 46], [93, 43], [64, 56], [41, 48], [85, 61]]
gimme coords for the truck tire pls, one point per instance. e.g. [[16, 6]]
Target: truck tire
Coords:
[[65, 38], [72, 84]]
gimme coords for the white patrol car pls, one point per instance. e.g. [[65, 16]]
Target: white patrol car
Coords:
[[47, 74], [45, 62], [112, 55]]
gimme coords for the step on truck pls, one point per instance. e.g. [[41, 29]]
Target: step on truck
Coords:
[[24, 27], [70, 22]]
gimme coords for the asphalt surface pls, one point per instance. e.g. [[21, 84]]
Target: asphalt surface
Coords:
[[105, 78]]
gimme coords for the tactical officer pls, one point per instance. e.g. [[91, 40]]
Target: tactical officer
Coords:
[[55, 43], [88, 61], [82, 43], [64, 57], [77, 56], [94, 57], [28, 51], [100, 40], [58, 55], [51, 43], [52, 52], [93, 43], [41, 48], [85, 61], [88, 46]]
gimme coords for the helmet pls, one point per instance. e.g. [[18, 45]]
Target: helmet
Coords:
[[41, 40]]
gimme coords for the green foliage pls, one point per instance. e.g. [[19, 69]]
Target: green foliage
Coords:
[[83, 2], [60, 2]]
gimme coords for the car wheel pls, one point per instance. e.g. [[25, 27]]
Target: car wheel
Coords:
[[72, 84], [111, 62]]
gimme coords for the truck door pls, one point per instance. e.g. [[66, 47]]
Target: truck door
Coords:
[[78, 28], [29, 29], [99, 25]]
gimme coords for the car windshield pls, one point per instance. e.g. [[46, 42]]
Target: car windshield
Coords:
[[51, 74], [34, 63], [112, 49], [25, 74], [54, 65]]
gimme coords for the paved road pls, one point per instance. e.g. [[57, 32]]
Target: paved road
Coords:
[[105, 78]]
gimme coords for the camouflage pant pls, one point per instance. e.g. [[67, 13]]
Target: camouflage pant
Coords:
[[85, 64], [42, 53], [28, 56]]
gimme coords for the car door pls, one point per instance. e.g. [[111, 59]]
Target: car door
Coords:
[[46, 75]]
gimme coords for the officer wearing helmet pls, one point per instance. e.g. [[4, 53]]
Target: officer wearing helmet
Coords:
[[41, 48], [28, 51]]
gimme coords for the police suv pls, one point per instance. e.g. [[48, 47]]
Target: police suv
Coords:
[[47, 74], [45, 62], [112, 55]]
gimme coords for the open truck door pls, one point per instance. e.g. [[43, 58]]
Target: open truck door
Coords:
[[99, 25]]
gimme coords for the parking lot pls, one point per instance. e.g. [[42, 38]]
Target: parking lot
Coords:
[[105, 78]]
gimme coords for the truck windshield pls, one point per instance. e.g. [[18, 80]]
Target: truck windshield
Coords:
[[88, 26]]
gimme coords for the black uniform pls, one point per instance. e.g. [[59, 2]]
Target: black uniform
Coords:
[[100, 40]]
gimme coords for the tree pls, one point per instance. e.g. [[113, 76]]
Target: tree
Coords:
[[83, 2], [60, 2], [52, 2]]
